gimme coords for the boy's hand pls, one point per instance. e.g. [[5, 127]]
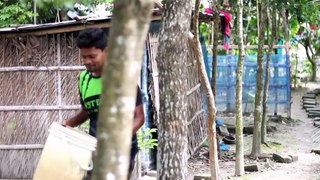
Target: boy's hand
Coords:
[[64, 123]]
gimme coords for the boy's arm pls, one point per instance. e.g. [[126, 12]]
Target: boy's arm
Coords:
[[138, 118], [76, 120]]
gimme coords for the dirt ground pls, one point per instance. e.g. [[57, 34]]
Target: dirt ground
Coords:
[[294, 137]]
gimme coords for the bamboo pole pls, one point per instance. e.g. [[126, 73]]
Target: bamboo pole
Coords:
[[39, 108], [42, 68], [251, 46], [59, 76], [195, 116], [193, 89], [21, 146]]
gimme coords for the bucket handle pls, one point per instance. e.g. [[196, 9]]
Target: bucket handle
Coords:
[[83, 167]]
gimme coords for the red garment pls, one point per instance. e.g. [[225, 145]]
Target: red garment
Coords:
[[226, 28]]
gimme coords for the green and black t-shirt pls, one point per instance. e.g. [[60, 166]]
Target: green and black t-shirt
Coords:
[[90, 89]]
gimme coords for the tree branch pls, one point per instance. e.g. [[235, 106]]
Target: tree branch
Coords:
[[196, 47]]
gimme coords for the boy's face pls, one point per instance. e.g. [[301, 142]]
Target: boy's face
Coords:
[[93, 58]]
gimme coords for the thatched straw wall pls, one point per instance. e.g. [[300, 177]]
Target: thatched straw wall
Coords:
[[197, 123], [34, 93]]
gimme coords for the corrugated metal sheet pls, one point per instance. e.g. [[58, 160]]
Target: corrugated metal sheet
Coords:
[[34, 27], [58, 25]]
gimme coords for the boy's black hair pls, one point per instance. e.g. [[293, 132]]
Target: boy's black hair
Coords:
[[92, 37]]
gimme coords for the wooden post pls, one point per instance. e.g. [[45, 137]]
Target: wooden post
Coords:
[[59, 76], [34, 11], [287, 48]]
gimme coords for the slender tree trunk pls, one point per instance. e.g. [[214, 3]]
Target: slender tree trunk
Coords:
[[314, 72], [216, 31], [172, 52], [256, 143], [311, 58], [212, 139], [121, 72], [286, 28], [287, 43], [296, 68], [248, 24], [271, 22], [239, 170], [216, 20]]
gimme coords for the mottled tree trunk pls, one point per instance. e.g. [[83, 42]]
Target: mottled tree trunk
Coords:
[[256, 143], [212, 139], [130, 24], [272, 23], [171, 58], [239, 169]]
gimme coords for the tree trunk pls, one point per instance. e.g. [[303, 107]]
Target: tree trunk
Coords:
[[249, 8], [314, 72], [311, 57], [212, 139], [121, 72], [271, 22], [216, 20], [296, 68], [239, 169], [286, 28], [172, 52], [256, 143]]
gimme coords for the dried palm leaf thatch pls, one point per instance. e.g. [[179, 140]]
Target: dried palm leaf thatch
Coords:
[[25, 127], [25, 88], [69, 88], [14, 162]]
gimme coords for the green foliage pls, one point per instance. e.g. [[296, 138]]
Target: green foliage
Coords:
[[307, 68], [69, 3], [205, 31], [15, 12], [145, 139], [48, 9], [55, 3]]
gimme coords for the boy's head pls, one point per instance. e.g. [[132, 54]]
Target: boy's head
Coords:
[[92, 43], [92, 37]]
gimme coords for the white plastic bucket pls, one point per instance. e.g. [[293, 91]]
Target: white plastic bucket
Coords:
[[67, 154]]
